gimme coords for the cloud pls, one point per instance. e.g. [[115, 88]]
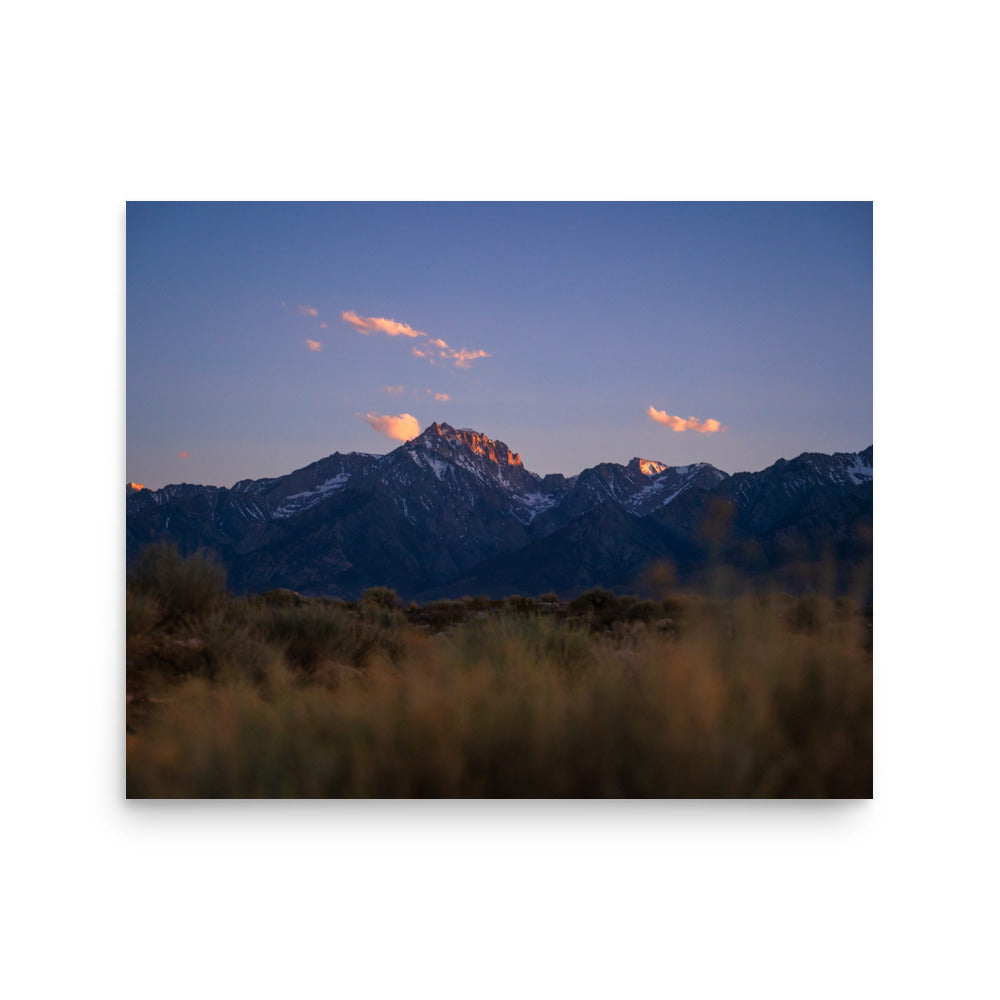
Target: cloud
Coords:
[[365, 324], [402, 427], [441, 397], [308, 311], [463, 357], [680, 424], [183, 454], [322, 326], [395, 390], [313, 345]]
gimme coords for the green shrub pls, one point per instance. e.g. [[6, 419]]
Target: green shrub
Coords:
[[532, 644], [478, 603], [312, 633], [281, 597], [383, 597], [233, 654], [184, 588], [598, 606], [518, 605], [381, 618], [438, 615], [645, 611], [142, 612]]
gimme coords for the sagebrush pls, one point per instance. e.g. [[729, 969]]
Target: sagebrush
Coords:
[[282, 695]]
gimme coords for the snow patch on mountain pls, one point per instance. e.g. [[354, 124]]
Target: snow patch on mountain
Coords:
[[439, 468], [296, 502], [533, 504], [860, 471]]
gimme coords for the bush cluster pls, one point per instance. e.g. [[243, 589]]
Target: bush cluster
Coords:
[[283, 695], [603, 609], [182, 587]]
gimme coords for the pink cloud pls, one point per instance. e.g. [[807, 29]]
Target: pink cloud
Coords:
[[680, 424], [308, 311], [441, 397], [183, 454], [313, 345], [322, 326], [402, 427], [365, 324], [463, 357], [395, 390]]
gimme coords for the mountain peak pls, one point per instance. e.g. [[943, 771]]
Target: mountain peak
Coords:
[[647, 466], [431, 511], [438, 435]]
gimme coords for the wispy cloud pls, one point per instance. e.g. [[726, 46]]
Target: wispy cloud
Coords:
[[441, 397], [313, 345], [395, 390], [322, 326], [463, 357], [680, 424], [366, 324], [308, 311], [460, 358], [183, 454], [401, 427]]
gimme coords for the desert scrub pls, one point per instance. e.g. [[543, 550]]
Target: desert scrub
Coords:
[[509, 642], [740, 703], [478, 603], [644, 611], [232, 653], [142, 612], [383, 597], [184, 588], [311, 633], [598, 607], [516, 604], [438, 615]]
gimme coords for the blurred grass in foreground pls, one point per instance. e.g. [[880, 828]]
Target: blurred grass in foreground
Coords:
[[278, 695]]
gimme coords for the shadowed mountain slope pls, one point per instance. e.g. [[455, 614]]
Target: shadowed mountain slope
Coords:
[[454, 512]]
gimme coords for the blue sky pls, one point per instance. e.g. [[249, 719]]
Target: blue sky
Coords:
[[752, 317]]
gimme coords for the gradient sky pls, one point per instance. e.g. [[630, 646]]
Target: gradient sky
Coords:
[[239, 363]]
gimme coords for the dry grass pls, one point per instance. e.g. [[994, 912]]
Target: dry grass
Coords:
[[259, 697]]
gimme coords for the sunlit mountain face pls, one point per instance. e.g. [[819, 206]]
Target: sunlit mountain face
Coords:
[[453, 512], [649, 468]]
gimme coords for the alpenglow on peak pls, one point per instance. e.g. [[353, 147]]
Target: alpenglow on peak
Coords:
[[648, 467], [479, 444]]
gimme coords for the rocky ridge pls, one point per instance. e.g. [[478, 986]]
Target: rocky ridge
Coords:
[[453, 509]]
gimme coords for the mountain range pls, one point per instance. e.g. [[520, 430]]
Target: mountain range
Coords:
[[453, 512]]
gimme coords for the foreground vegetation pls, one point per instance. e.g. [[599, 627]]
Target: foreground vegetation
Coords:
[[280, 695]]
